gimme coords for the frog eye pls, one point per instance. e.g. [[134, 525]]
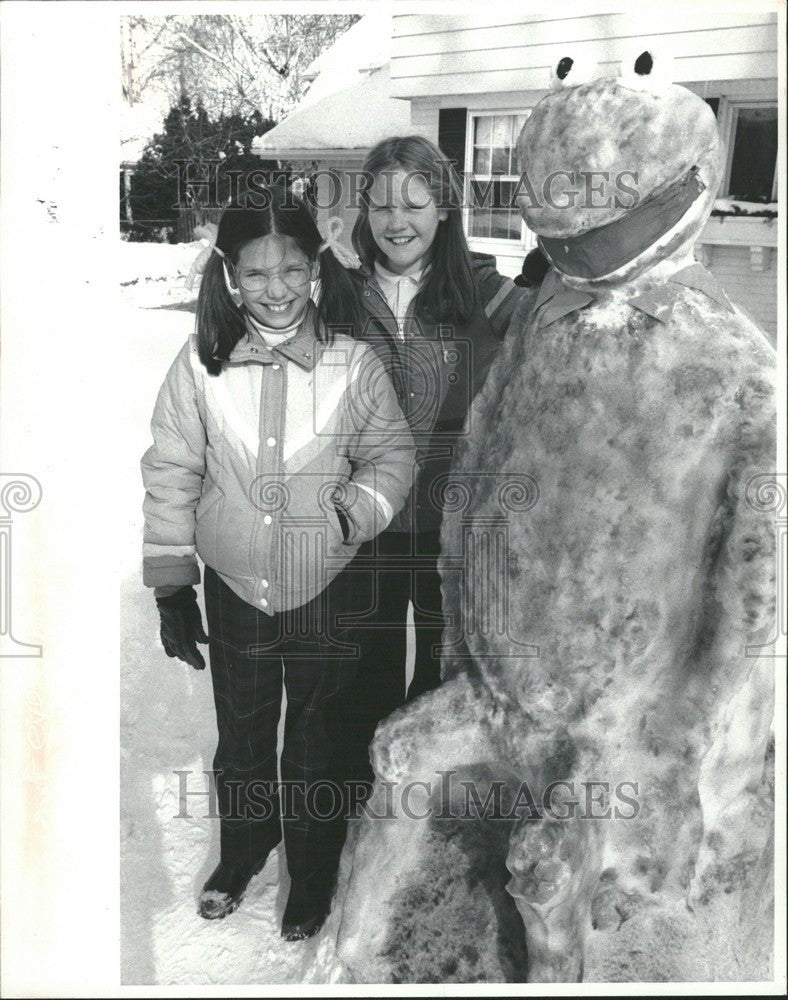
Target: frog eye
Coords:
[[644, 63], [570, 71], [646, 67]]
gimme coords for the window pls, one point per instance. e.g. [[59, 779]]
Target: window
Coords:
[[492, 175], [750, 129]]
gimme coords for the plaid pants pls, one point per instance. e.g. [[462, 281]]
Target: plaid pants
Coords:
[[403, 568], [251, 654]]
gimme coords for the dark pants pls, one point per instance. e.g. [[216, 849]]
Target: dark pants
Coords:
[[402, 569], [251, 655]]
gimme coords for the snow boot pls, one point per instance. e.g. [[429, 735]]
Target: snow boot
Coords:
[[225, 889], [308, 905]]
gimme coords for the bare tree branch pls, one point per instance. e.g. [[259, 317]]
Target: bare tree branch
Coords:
[[256, 61]]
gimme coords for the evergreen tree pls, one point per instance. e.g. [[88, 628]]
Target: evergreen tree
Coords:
[[186, 171]]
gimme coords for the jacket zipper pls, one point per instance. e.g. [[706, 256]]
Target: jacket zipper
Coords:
[[392, 342]]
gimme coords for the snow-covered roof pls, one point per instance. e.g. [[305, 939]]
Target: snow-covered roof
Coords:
[[355, 118], [364, 47]]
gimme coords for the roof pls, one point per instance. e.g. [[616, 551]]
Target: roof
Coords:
[[362, 48], [357, 117]]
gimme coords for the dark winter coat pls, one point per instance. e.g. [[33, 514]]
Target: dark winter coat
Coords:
[[437, 370]]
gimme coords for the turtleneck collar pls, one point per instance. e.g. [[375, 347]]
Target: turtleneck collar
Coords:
[[271, 336], [301, 346]]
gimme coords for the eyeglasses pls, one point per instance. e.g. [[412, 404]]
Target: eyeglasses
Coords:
[[253, 279]]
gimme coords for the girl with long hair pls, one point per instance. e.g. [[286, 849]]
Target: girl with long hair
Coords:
[[278, 449], [436, 313]]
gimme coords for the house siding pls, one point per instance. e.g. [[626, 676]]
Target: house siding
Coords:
[[753, 291], [436, 55], [501, 62]]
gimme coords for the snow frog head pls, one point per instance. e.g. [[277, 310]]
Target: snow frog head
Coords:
[[617, 173]]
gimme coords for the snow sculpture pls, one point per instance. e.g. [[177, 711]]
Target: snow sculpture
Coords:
[[609, 573]]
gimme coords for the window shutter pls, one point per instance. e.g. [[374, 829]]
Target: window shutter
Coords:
[[451, 134]]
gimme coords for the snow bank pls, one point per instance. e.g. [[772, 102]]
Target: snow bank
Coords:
[[154, 274]]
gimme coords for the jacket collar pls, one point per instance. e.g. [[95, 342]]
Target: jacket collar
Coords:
[[414, 274], [555, 300], [303, 348]]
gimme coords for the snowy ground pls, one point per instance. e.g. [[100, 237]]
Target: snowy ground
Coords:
[[168, 725]]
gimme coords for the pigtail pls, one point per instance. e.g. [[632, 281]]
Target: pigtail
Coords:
[[362, 239], [337, 306], [220, 323]]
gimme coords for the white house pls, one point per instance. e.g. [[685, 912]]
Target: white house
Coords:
[[469, 81], [347, 110]]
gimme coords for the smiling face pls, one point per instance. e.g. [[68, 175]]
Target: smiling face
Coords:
[[403, 218], [273, 277]]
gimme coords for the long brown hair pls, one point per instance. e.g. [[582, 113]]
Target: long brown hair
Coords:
[[449, 292]]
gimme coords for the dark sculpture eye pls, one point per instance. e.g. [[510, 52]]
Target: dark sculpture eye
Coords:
[[563, 67], [644, 64]]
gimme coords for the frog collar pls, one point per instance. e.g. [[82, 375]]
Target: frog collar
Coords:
[[555, 300], [601, 251]]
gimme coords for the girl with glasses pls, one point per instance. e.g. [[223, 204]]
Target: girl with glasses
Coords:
[[278, 449]]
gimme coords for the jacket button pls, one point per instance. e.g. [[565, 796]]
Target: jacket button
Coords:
[[264, 602], [264, 583], [271, 442], [254, 350], [277, 367], [267, 519]]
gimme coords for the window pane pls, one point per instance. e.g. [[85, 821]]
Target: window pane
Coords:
[[515, 224], [480, 222], [490, 215], [503, 194], [500, 160], [480, 192], [519, 122], [754, 154], [502, 130], [482, 131], [500, 224], [481, 161]]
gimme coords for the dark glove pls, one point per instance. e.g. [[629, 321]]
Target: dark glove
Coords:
[[535, 267], [181, 626]]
